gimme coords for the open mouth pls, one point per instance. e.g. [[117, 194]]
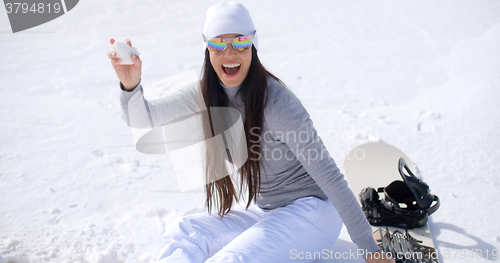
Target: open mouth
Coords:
[[231, 69]]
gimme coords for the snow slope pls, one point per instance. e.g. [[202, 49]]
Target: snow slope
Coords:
[[422, 76]]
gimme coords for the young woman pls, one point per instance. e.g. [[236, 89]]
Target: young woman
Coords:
[[297, 201]]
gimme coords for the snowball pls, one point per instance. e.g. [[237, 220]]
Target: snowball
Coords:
[[123, 52]]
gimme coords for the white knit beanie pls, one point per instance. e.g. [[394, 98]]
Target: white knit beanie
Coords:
[[229, 18]]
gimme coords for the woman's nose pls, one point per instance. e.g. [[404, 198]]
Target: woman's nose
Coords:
[[230, 51]]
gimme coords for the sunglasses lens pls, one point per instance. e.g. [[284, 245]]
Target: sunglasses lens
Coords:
[[216, 44], [242, 43]]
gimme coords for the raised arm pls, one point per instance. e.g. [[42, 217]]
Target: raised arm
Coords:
[[142, 113]]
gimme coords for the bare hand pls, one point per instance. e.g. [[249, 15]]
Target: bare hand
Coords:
[[380, 257], [129, 75]]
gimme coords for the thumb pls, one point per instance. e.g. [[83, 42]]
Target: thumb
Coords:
[[136, 60]]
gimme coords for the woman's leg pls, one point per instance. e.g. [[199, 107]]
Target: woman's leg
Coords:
[[286, 234], [196, 237]]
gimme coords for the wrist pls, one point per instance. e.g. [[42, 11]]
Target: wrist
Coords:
[[131, 88]]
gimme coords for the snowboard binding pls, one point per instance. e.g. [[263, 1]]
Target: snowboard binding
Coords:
[[406, 204], [404, 248]]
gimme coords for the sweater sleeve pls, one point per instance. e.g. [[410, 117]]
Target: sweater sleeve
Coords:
[[288, 115], [142, 113]]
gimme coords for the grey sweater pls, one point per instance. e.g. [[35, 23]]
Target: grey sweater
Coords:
[[295, 162]]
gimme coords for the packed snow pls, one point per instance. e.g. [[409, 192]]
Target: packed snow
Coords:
[[423, 76], [123, 52]]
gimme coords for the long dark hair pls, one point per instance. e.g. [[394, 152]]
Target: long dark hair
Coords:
[[253, 90]]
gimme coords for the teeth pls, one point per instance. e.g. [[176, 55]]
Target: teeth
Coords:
[[231, 65]]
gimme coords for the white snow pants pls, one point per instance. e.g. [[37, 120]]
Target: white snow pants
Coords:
[[308, 225]]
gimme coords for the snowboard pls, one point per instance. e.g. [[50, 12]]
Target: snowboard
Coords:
[[375, 164]]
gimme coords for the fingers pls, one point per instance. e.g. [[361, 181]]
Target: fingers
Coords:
[[115, 62], [112, 56], [112, 41], [114, 59], [137, 61]]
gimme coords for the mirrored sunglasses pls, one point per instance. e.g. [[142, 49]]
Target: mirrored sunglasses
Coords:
[[218, 44]]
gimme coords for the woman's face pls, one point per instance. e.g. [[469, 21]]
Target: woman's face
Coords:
[[230, 65]]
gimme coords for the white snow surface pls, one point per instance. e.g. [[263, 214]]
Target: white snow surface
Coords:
[[423, 76]]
